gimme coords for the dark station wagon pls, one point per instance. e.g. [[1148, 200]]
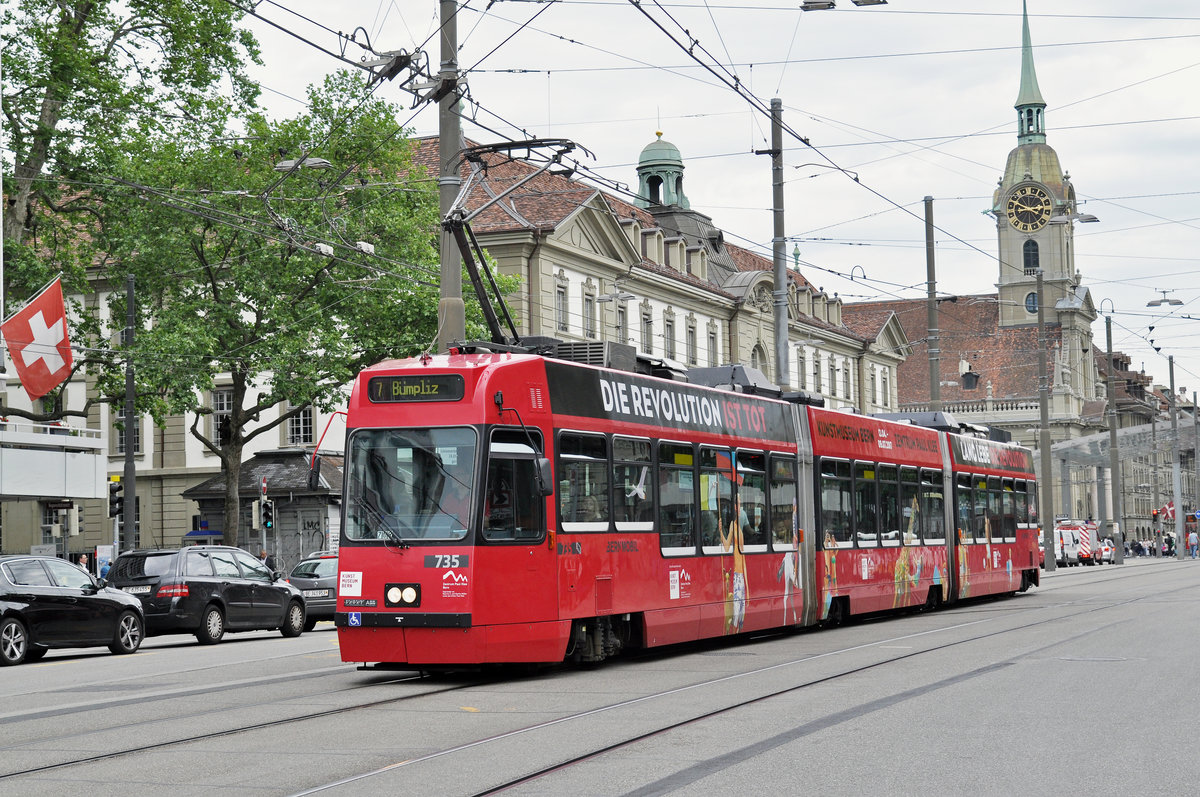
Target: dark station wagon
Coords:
[[207, 590]]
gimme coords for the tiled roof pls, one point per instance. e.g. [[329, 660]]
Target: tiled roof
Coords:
[[286, 472], [969, 329]]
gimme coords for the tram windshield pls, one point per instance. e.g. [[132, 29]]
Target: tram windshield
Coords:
[[410, 484]]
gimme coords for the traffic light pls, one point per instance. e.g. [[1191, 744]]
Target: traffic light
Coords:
[[268, 514], [1154, 514], [256, 515], [116, 501], [73, 521]]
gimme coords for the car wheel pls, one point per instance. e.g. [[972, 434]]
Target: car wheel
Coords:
[[14, 641], [293, 622], [128, 637], [310, 623], [212, 626]]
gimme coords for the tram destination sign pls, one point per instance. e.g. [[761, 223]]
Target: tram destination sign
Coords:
[[416, 387]]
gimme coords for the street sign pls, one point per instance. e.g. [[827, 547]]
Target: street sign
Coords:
[[59, 504], [1198, 514]]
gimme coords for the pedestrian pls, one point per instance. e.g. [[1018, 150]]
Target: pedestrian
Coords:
[[1193, 543], [104, 568], [83, 561], [267, 560]]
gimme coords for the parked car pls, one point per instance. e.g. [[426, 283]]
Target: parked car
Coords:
[[207, 590], [47, 602], [316, 577]]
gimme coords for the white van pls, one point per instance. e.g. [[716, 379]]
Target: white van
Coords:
[[1066, 543]]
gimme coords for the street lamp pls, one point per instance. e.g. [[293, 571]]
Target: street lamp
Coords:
[[1163, 300]]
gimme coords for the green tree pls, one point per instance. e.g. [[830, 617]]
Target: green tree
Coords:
[[81, 77], [250, 279]]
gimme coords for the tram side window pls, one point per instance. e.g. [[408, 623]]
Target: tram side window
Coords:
[[752, 492], [964, 509], [866, 514], [910, 506], [784, 520], [1020, 503], [633, 485], [676, 498], [1031, 490], [995, 526], [716, 498], [981, 525], [889, 502], [583, 482], [1008, 510], [933, 507], [513, 506], [835, 503]]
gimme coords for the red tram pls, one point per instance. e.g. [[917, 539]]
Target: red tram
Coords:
[[509, 507]]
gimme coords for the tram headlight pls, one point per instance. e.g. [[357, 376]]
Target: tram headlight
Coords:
[[405, 595]]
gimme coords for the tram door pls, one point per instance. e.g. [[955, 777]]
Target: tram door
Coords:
[[514, 567]]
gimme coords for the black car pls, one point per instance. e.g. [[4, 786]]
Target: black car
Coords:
[[207, 590], [316, 578], [50, 603]]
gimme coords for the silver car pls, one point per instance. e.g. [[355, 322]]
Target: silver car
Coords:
[[316, 578]]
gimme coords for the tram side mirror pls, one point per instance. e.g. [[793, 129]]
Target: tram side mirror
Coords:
[[545, 481]]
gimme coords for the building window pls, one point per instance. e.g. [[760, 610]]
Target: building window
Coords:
[[589, 317], [222, 405], [832, 378], [874, 386], [802, 368], [846, 380], [1032, 260], [119, 432], [669, 338], [817, 373], [49, 518], [1031, 302], [300, 428], [560, 308], [887, 391], [647, 333], [622, 325], [713, 354], [691, 345]]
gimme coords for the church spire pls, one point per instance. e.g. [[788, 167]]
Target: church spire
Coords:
[[1031, 108]]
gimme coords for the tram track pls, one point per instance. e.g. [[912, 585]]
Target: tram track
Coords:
[[248, 728], [830, 720], [571, 761]]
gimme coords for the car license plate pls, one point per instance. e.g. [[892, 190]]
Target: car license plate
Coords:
[[137, 590], [316, 593]]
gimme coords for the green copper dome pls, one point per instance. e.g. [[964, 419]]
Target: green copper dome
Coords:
[[660, 152]]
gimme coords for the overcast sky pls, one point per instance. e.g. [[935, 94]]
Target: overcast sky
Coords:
[[915, 97]]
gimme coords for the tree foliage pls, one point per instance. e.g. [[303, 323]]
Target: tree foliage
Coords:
[[250, 278], [80, 78]]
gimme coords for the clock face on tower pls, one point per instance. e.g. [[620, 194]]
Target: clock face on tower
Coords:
[[1029, 208]]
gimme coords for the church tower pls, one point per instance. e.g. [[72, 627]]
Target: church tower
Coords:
[[1034, 208], [1035, 211]]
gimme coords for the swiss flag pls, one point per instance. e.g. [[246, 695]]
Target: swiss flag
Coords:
[[37, 340], [1169, 510]]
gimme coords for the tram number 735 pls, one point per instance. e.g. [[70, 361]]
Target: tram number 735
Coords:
[[443, 561]]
